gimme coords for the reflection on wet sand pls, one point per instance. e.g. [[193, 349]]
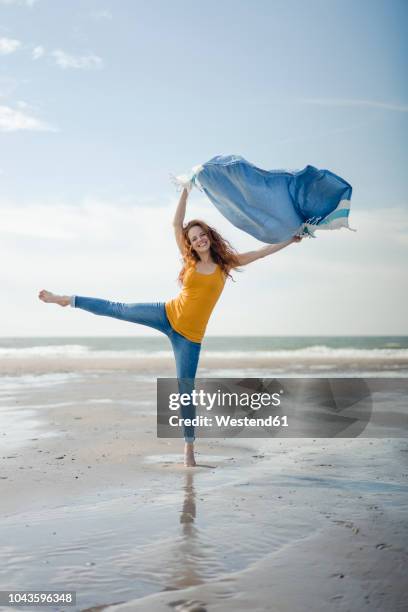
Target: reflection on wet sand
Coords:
[[185, 571]]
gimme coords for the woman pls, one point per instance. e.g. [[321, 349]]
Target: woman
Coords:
[[208, 260]]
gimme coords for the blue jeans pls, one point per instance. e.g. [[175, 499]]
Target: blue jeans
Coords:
[[153, 314]]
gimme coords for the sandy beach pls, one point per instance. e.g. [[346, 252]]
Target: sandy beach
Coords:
[[92, 501]]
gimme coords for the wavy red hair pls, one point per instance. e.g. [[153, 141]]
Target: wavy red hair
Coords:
[[221, 250]]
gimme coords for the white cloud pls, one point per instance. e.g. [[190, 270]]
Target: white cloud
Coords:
[[38, 52], [9, 45], [402, 108], [12, 120], [340, 283], [97, 247], [82, 62], [96, 223]]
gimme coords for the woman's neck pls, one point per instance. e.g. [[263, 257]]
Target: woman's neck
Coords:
[[205, 259]]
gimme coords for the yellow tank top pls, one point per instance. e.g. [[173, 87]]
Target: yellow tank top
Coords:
[[190, 311]]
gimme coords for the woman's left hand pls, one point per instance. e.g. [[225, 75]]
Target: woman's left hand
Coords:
[[297, 238]]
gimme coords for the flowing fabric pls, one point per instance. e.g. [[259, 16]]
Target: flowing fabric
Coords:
[[272, 205]]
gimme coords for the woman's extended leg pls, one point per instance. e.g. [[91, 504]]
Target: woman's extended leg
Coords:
[[152, 314]]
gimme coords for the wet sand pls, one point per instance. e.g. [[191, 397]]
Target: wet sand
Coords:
[[93, 501], [164, 366]]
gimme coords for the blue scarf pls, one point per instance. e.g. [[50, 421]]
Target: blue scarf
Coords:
[[272, 205]]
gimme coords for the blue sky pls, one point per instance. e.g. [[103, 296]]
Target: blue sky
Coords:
[[101, 100]]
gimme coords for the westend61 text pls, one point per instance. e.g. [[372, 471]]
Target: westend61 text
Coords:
[[227, 421]]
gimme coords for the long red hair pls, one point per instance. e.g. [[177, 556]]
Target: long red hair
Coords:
[[221, 250]]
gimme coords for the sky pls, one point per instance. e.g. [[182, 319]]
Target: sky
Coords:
[[100, 101]]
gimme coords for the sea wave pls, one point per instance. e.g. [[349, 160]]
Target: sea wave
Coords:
[[30, 381], [327, 353], [51, 350], [77, 351]]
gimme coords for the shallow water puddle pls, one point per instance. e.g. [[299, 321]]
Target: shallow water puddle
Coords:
[[364, 486], [175, 533]]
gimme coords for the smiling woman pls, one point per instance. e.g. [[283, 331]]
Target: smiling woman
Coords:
[[207, 261]]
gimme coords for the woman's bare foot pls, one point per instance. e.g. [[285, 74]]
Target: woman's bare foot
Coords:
[[189, 460], [52, 298]]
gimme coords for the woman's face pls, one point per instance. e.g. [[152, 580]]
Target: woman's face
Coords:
[[199, 239]]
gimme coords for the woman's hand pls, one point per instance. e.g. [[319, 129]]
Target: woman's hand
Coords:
[[297, 238]]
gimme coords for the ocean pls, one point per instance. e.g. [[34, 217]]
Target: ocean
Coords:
[[252, 355], [229, 346]]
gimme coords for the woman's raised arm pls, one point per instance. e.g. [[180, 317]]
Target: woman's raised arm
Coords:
[[246, 258], [179, 219]]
